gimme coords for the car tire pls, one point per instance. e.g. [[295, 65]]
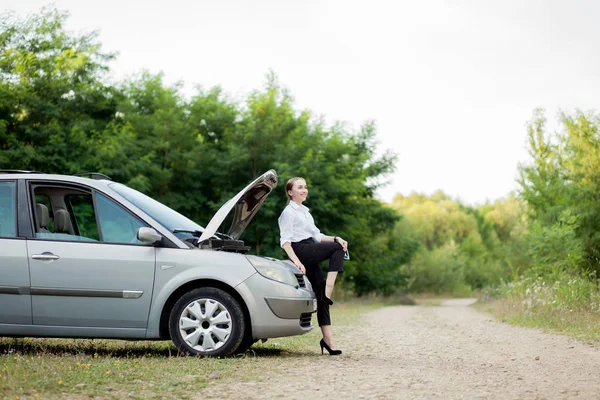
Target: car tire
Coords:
[[207, 322], [246, 343]]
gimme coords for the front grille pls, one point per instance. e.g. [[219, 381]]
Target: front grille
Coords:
[[300, 278], [305, 320]]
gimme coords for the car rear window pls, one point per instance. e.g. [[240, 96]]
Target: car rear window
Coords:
[[8, 210]]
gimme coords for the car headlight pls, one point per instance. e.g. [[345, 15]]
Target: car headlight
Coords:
[[273, 271]]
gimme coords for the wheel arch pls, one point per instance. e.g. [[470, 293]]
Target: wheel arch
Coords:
[[195, 284]]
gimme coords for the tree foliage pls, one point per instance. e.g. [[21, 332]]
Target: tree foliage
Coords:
[[51, 96], [462, 248], [562, 186]]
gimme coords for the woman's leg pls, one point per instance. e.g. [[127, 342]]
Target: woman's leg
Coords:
[[330, 283], [315, 276], [328, 336], [317, 252], [316, 279], [311, 254]]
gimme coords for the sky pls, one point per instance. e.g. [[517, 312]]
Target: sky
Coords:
[[450, 84]]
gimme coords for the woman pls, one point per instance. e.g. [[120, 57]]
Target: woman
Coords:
[[306, 246]]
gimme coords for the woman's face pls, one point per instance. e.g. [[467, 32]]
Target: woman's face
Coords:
[[299, 191]]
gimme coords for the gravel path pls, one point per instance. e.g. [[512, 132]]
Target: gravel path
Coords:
[[446, 352]]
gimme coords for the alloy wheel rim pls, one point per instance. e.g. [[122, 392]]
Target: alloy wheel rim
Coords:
[[205, 325]]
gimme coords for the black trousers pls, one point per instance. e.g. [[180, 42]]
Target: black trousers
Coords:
[[311, 254]]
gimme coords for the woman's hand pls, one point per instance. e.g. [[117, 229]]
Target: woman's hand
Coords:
[[292, 256], [300, 266], [342, 242]]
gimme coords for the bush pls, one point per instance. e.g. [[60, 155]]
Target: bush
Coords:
[[565, 294], [437, 270], [556, 249]]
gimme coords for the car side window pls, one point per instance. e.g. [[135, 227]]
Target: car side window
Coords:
[[8, 210], [116, 224], [64, 213], [85, 218]]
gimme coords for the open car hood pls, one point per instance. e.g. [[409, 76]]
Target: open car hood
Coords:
[[246, 204]]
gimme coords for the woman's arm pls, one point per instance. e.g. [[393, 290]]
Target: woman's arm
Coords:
[[320, 237], [292, 255], [337, 239], [286, 226]]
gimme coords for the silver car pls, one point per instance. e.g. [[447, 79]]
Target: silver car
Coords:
[[86, 257]]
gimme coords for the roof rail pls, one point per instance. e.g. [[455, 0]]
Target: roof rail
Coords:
[[93, 175], [18, 171]]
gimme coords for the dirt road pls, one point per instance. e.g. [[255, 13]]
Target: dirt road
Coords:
[[446, 352]]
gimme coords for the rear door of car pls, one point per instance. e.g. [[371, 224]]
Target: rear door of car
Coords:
[[15, 301], [87, 267]]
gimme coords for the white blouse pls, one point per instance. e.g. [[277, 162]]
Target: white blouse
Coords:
[[296, 224]]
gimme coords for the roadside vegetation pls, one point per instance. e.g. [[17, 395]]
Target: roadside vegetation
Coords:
[[561, 186]]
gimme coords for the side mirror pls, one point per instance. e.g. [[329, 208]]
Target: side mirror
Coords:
[[148, 235]]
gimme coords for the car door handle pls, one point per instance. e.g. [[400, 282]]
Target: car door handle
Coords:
[[45, 256]]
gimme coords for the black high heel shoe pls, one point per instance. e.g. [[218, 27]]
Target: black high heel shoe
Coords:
[[331, 352]]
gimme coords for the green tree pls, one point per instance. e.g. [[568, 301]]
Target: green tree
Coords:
[[462, 248], [51, 93], [563, 178]]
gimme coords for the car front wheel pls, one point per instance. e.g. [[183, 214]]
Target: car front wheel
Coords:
[[207, 322]]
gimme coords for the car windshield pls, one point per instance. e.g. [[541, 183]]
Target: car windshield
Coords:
[[166, 216]]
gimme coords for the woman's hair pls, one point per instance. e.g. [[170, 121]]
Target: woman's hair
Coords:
[[289, 185]]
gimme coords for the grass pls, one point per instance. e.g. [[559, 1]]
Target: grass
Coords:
[[85, 368], [560, 303], [583, 325]]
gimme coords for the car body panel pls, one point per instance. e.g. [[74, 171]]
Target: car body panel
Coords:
[[290, 308], [176, 267], [265, 324], [15, 299], [95, 273], [86, 332]]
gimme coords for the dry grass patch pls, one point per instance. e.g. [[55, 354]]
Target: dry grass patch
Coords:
[[581, 325]]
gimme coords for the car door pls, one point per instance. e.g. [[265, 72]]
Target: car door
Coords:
[[15, 301], [89, 270]]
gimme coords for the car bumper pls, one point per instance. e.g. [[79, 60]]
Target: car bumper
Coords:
[[290, 308], [277, 309]]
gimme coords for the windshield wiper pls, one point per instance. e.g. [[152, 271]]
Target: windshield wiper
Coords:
[[198, 233], [194, 232]]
